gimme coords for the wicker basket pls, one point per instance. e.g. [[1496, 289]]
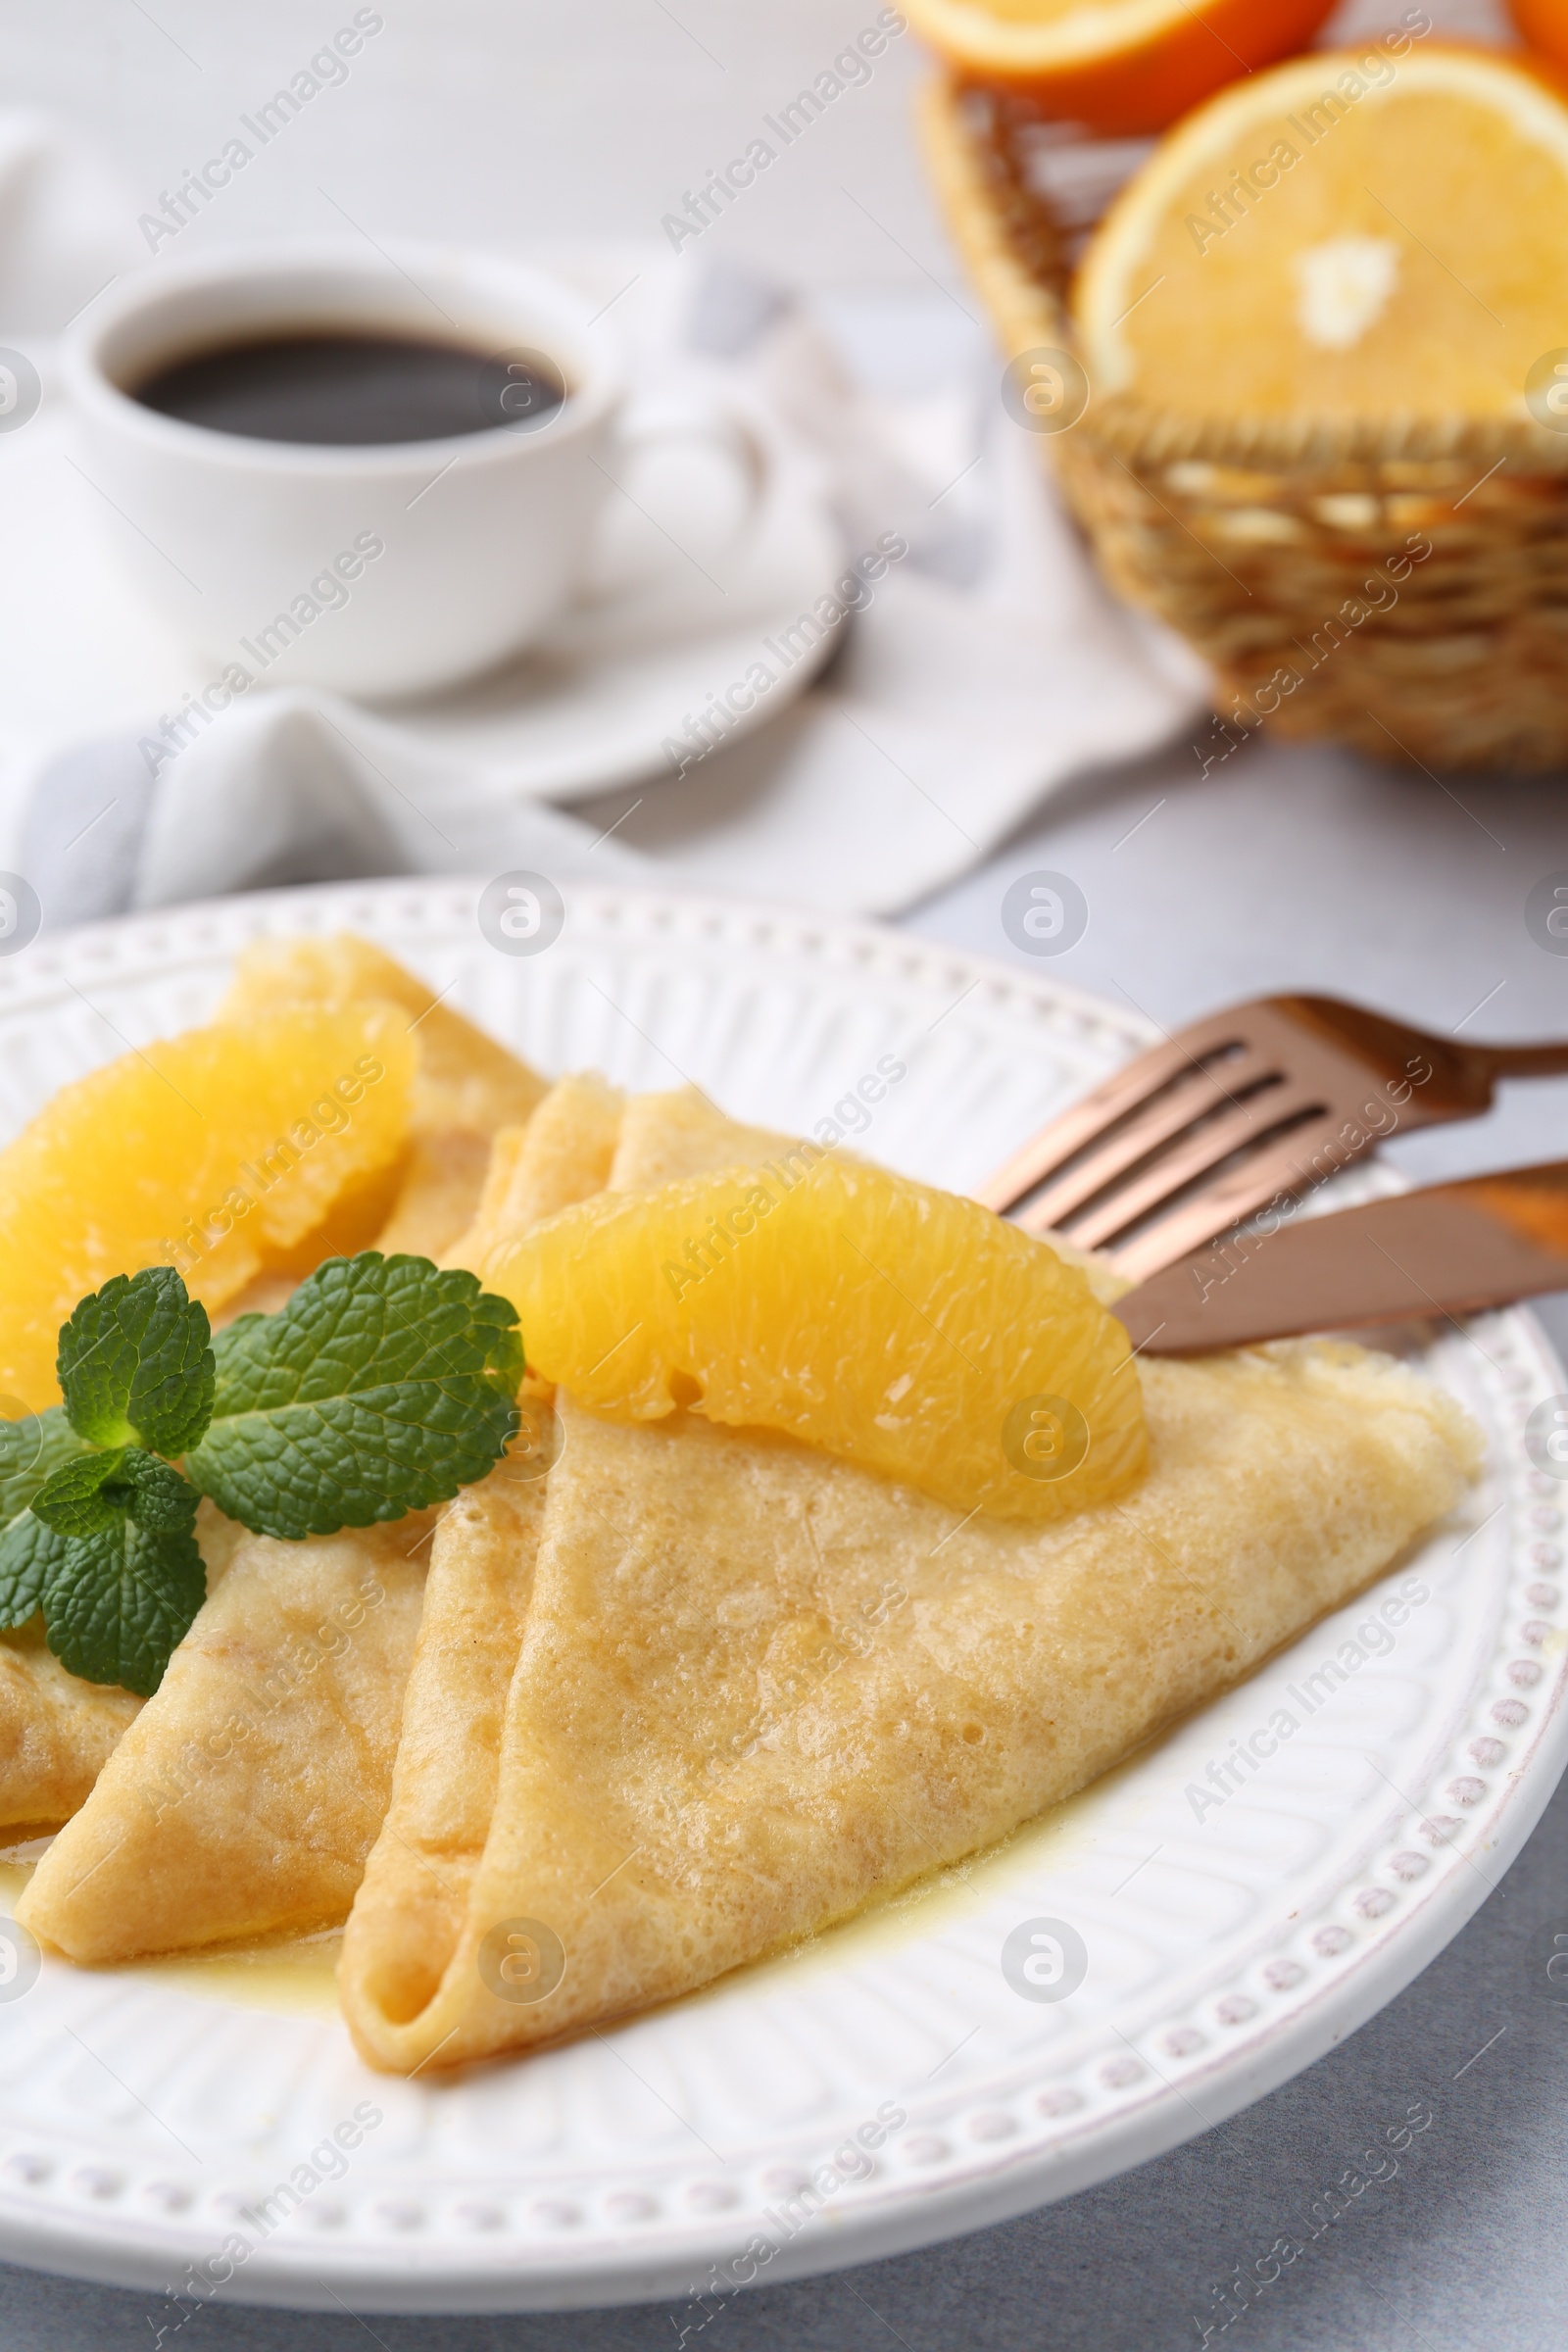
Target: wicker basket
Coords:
[[1289, 553]]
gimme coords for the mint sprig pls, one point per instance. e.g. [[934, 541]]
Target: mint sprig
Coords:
[[91, 1494], [383, 1386], [135, 1366], [119, 1601], [32, 1449]]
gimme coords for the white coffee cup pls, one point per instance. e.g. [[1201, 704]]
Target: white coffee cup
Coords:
[[380, 570]]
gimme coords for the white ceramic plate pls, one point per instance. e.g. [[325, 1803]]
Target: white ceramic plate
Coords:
[[141, 2125]]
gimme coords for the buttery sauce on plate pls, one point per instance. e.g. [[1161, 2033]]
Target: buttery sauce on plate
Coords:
[[297, 1976], [293, 1977]]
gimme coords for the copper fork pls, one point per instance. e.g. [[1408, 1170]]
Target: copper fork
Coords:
[[1246, 1107]]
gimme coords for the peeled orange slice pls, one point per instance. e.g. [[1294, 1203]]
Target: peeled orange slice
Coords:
[[1348, 235], [223, 1152], [463, 1079], [903, 1328], [1117, 65]]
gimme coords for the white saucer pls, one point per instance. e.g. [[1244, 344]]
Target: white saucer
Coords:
[[626, 670], [592, 709]]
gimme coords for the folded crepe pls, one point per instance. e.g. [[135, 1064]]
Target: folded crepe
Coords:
[[467, 1086], [561, 1157], [55, 1733], [415, 1892], [410, 1907], [244, 1797], [409, 1913], [258, 1774], [665, 1137], [757, 1686]]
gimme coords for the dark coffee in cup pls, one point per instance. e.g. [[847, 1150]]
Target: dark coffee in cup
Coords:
[[355, 390]]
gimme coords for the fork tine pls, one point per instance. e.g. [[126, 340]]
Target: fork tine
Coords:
[[1125, 1092], [1255, 1121], [1282, 1166], [1170, 1113]]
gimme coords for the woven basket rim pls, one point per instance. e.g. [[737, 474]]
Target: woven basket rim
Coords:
[[983, 205]]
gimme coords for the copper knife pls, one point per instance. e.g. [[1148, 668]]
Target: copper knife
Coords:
[[1446, 1249]]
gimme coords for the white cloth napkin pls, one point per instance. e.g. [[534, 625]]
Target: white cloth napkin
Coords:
[[989, 669]]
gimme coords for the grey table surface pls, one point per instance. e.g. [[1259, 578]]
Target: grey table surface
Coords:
[[1284, 868]]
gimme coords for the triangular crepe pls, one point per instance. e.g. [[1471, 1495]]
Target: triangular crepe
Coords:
[[410, 1908], [440, 1188], [466, 1079], [261, 1771], [758, 1687], [243, 1799], [563, 1155], [410, 1905], [467, 1089], [665, 1137], [55, 1733]]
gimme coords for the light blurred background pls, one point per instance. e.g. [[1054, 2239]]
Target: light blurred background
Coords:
[[520, 122]]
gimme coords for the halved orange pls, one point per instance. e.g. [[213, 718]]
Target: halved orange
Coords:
[[1118, 66], [1341, 237], [1544, 26]]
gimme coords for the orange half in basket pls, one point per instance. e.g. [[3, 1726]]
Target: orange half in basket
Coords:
[[1118, 66], [1544, 26], [1356, 235]]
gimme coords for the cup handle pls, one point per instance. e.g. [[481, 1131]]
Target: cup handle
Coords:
[[690, 478]]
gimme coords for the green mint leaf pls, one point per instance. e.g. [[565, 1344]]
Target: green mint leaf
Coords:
[[87, 1495], [117, 1603], [30, 1449], [383, 1385], [159, 1500], [74, 1503], [30, 1552], [135, 1363]]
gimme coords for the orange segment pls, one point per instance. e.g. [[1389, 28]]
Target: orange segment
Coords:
[[464, 1080], [1327, 241], [1118, 66], [875, 1318], [223, 1152]]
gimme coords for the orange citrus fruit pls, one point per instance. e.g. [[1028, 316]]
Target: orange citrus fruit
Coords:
[[1544, 26], [224, 1152], [902, 1328], [463, 1079], [1332, 240], [1117, 65]]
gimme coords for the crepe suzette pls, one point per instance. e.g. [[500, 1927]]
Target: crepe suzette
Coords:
[[461, 1088], [99, 1184], [257, 1775], [410, 1912], [417, 1881], [756, 1685], [468, 1088]]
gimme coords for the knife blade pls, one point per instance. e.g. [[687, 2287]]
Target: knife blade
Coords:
[[1446, 1249]]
